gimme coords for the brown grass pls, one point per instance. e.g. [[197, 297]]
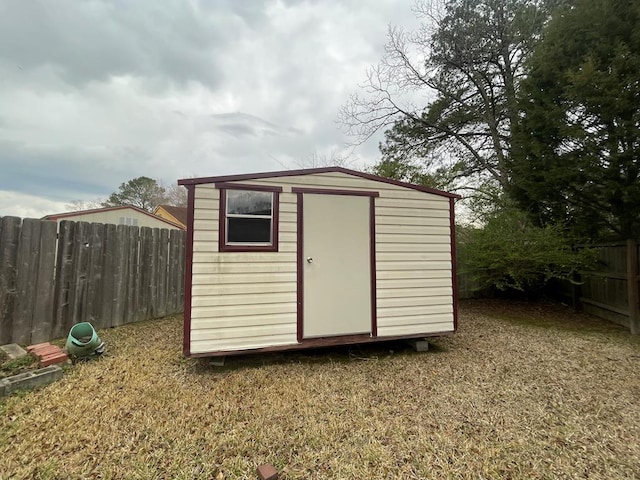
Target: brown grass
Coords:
[[522, 391]]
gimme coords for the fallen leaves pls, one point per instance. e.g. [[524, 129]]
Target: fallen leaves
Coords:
[[519, 392]]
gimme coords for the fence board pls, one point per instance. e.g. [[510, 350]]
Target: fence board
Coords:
[[92, 311], [146, 259], [119, 246], [26, 278], [154, 246], [79, 272], [173, 280], [163, 271], [133, 277], [42, 321], [9, 236], [61, 308], [111, 265], [181, 272]]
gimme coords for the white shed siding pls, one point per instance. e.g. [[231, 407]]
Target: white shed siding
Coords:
[[241, 300], [248, 300], [413, 256]]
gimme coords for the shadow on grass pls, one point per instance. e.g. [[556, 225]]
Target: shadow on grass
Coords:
[[541, 314], [378, 351]]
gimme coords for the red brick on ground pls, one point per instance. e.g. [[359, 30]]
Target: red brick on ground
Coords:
[[267, 472], [44, 351], [30, 348], [48, 354], [53, 359]]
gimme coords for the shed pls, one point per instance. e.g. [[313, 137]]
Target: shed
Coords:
[[177, 215], [315, 257], [121, 215]]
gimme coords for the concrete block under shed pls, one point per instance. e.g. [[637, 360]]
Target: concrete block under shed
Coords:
[[13, 350], [217, 361], [420, 345]]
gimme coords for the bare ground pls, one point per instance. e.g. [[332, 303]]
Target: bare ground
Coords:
[[521, 391]]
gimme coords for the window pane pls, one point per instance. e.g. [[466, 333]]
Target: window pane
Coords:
[[248, 230], [247, 202]]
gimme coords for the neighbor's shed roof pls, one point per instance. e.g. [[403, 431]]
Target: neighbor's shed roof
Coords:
[[179, 213], [312, 171], [77, 213]]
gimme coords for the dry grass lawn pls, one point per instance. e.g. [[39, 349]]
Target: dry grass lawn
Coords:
[[523, 391]]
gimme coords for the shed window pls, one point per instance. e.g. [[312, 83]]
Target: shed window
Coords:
[[249, 220], [128, 221]]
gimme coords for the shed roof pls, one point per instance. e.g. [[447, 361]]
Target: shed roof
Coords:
[[179, 213], [69, 215], [312, 171]]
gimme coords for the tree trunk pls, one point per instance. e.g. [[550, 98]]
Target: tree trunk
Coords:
[[632, 286]]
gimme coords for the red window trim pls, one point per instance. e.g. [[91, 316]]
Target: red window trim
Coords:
[[222, 218]]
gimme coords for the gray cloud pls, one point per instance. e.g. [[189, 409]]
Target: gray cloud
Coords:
[[95, 93], [64, 173], [240, 124], [92, 41]]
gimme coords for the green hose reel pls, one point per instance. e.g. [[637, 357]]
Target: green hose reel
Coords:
[[83, 341]]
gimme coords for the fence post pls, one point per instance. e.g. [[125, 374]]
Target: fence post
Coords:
[[576, 292], [632, 286]]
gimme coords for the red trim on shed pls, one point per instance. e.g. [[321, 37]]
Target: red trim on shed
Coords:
[[311, 171], [244, 186], [222, 220], [322, 343], [299, 267], [331, 191], [454, 275], [372, 254], [188, 271]]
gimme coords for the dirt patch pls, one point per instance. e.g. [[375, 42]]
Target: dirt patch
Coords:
[[522, 391]]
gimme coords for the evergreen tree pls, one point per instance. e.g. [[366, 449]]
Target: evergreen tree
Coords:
[[578, 148], [141, 192]]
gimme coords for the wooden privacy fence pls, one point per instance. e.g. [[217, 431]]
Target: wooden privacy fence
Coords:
[[607, 292], [52, 278]]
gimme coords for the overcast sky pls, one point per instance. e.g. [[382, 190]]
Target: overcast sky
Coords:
[[94, 93]]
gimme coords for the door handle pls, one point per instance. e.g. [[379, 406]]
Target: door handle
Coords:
[[309, 260]]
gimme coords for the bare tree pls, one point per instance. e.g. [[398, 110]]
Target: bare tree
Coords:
[[78, 205], [446, 94], [176, 195], [334, 158]]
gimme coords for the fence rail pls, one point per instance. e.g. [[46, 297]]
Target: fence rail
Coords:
[[53, 276]]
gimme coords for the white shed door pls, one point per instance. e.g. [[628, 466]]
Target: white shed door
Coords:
[[337, 263]]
